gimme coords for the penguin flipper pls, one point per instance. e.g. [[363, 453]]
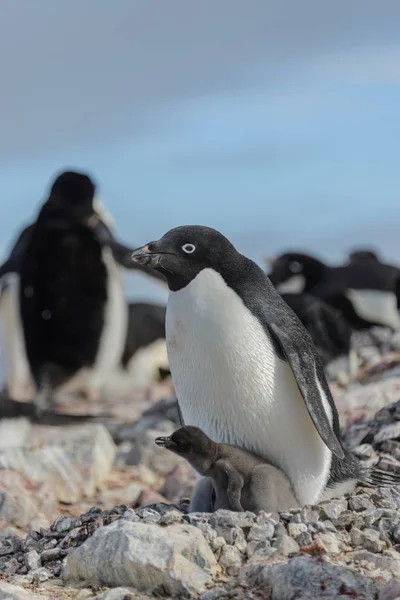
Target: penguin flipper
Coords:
[[314, 390], [11, 265], [180, 416], [13, 262]]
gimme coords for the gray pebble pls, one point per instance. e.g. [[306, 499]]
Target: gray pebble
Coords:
[[332, 510], [32, 560], [371, 540], [231, 560], [285, 544], [261, 533], [359, 503]]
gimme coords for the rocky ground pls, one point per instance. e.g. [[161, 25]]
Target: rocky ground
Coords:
[[99, 511]]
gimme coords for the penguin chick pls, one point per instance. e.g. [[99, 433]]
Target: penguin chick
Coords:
[[241, 480]]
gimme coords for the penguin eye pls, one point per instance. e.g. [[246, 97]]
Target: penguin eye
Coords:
[[295, 267], [189, 248]]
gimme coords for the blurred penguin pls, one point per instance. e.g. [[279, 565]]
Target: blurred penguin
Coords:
[[62, 308], [364, 290]]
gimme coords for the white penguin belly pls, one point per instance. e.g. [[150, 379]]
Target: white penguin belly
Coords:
[[17, 376], [293, 285], [143, 367], [376, 306], [230, 383], [113, 337]]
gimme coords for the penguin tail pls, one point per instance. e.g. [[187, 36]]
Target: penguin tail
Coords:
[[380, 478]]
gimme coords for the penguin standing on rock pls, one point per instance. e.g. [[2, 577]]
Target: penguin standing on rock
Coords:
[[243, 366], [71, 316]]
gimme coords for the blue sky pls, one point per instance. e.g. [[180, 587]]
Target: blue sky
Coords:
[[276, 125]]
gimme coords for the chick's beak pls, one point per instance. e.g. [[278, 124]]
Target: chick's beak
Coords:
[[164, 442]]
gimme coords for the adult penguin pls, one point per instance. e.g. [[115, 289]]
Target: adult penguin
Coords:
[[66, 329], [365, 290], [243, 366]]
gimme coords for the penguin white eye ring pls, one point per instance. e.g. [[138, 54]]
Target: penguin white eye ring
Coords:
[[189, 248], [296, 267]]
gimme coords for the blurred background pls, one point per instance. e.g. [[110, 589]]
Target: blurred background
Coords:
[[275, 122]]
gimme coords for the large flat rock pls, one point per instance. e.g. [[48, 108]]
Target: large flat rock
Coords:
[[74, 460], [174, 560]]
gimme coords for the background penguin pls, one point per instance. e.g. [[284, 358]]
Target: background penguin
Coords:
[[72, 305], [365, 291], [329, 330], [258, 382], [357, 256], [18, 381], [19, 384], [145, 356], [241, 480], [146, 325]]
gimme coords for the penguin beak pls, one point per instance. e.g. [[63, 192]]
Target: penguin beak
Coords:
[[165, 442], [147, 255]]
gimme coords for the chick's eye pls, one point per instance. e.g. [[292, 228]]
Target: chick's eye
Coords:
[[189, 248], [295, 267]]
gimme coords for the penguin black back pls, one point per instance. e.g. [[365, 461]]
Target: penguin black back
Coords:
[[357, 256], [328, 328]]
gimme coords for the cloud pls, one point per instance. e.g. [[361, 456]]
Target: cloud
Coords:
[[78, 72], [371, 65]]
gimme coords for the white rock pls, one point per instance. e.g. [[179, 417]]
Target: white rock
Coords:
[[75, 460], [14, 432], [9, 591], [176, 559], [330, 542], [120, 593]]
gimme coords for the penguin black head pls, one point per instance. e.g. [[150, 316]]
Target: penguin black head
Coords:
[[71, 199], [73, 190], [358, 256], [185, 251], [294, 264], [187, 441]]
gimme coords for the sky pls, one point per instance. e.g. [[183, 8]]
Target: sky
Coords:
[[275, 122]]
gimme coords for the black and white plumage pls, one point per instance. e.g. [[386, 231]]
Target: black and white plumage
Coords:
[[145, 357], [146, 325], [364, 290], [62, 286], [243, 366], [329, 330]]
